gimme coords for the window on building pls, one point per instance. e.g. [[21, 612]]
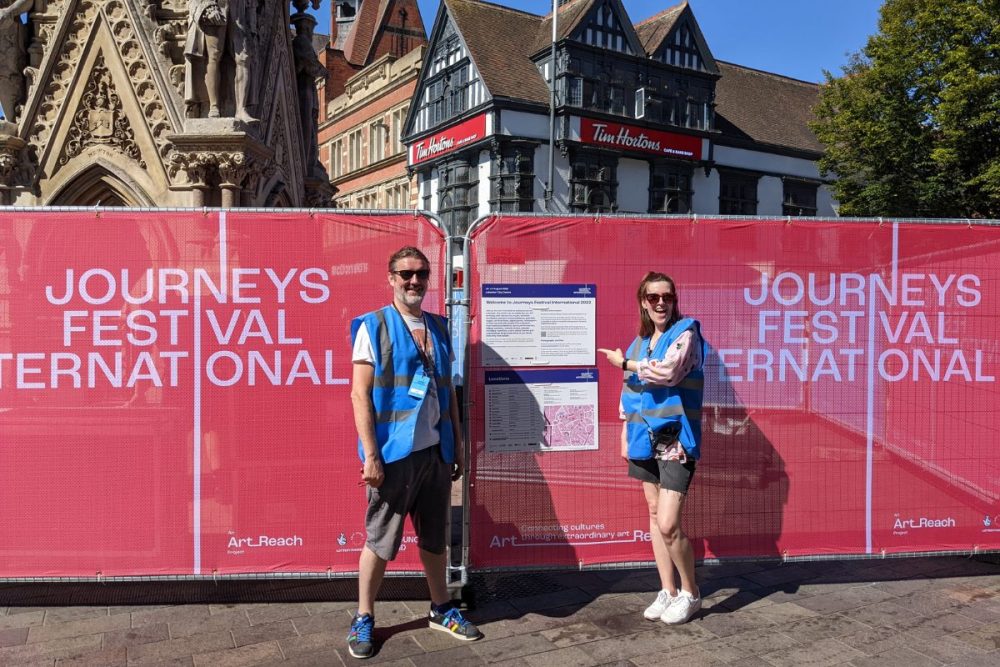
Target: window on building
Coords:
[[616, 99], [336, 158], [398, 120], [596, 82], [354, 150], [426, 194], [346, 9], [366, 199], [377, 134], [593, 183], [799, 198], [458, 190], [737, 193], [680, 99], [574, 91], [513, 179], [697, 115], [397, 195], [670, 187], [452, 86], [449, 95]]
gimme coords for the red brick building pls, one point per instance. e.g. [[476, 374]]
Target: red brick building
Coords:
[[373, 58]]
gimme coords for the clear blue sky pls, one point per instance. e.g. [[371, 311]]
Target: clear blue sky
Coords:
[[797, 38]]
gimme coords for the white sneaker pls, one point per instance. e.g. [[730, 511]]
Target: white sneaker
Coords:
[[660, 604], [684, 606]]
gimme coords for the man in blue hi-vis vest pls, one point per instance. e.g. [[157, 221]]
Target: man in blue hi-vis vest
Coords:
[[409, 441]]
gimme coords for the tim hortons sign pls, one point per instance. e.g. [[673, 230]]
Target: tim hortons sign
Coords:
[[449, 140], [640, 139]]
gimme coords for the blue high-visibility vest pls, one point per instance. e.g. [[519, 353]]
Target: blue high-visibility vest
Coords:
[[648, 408], [397, 361]]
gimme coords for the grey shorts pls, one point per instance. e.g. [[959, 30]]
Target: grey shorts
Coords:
[[418, 486], [671, 475]]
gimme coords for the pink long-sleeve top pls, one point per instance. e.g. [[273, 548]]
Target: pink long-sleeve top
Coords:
[[683, 356]]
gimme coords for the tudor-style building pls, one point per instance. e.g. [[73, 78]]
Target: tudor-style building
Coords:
[[646, 120]]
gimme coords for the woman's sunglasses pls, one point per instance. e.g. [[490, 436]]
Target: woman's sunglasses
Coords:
[[653, 299]]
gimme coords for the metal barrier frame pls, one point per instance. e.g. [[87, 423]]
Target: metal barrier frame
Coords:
[[459, 574], [435, 222], [695, 218]]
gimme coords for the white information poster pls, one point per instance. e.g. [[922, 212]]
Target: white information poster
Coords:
[[539, 325], [541, 410]]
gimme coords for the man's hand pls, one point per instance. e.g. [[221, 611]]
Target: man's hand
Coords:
[[458, 467], [624, 441], [372, 473]]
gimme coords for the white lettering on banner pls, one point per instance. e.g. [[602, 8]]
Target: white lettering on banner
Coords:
[[904, 526], [579, 534], [626, 139], [264, 541], [793, 343], [349, 269], [159, 329], [38, 370], [97, 287], [438, 145]]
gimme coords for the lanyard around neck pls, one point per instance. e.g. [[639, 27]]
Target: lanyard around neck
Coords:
[[422, 349]]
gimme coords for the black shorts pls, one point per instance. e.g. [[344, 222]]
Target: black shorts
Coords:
[[671, 475], [419, 486]]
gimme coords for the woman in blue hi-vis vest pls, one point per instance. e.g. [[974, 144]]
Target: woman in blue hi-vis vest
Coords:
[[661, 433]]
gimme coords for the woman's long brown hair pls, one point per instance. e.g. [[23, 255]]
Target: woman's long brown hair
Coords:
[[646, 326]]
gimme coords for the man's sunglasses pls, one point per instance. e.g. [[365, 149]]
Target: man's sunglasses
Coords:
[[406, 274], [653, 299]]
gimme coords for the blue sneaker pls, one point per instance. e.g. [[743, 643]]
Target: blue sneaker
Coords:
[[359, 641], [452, 622]]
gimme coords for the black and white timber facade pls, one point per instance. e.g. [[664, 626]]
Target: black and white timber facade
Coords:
[[646, 120]]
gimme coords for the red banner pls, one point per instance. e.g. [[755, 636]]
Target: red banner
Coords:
[[449, 140], [640, 139], [174, 389], [850, 389]]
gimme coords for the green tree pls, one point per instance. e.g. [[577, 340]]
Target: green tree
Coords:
[[912, 128]]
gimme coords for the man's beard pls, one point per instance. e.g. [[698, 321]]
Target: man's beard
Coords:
[[411, 298]]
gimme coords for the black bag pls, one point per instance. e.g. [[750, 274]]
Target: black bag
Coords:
[[664, 439]]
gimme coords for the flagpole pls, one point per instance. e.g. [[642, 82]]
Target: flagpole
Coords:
[[552, 105]]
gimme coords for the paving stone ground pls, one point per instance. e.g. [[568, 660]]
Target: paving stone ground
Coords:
[[912, 612]]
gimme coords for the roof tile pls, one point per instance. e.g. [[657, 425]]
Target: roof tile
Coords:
[[497, 38], [655, 29], [766, 108]]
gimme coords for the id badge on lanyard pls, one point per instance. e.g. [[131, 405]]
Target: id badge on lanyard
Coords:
[[418, 388]]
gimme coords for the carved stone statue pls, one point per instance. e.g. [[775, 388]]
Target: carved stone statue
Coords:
[[307, 69], [217, 28], [13, 54]]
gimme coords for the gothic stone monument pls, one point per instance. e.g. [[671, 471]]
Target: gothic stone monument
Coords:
[[158, 103]]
